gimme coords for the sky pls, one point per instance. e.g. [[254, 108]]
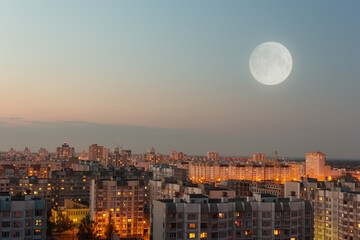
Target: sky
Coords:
[[174, 75]]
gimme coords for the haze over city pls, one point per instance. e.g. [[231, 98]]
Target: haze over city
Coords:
[[174, 76]]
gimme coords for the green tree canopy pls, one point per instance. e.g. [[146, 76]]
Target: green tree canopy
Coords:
[[86, 229], [62, 222], [110, 227]]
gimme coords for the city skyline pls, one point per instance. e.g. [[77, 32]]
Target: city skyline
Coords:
[[175, 77]]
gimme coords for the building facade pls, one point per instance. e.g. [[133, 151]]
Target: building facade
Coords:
[[337, 214], [22, 217], [124, 199], [260, 217]]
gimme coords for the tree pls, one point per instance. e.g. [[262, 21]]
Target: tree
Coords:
[[86, 229], [110, 227], [62, 222], [50, 225]]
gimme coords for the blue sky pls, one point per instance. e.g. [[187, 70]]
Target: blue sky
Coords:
[[179, 68]]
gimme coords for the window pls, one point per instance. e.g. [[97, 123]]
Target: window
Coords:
[[192, 226], [37, 232], [203, 235], [38, 213], [172, 225], [16, 234], [16, 224], [276, 232], [6, 214], [6, 224], [191, 216], [17, 214], [192, 235], [37, 222], [221, 215], [5, 234], [248, 232]]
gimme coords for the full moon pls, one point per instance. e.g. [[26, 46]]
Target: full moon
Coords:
[[270, 63]]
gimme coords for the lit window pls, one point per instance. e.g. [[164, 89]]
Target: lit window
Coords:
[[38, 222], [203, 235], [320, 198], [192, 225], [129, 219], [248, 232], [221, 215], [237, 223], [276, 232], [192, 235]]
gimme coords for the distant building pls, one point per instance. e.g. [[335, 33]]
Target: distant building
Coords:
[[22, 217], [170, 188], [96, 153], [65, 152], [12, 152], [259, 157], [118, 158], [167, 171], [215, 171], [268, 187], [263, 216], [242, 187], [43, 153], [315, 166], [212, 155], [177, 155], [26, 151]]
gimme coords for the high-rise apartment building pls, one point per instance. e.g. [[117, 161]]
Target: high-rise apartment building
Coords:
[[96, 153], [124, 199], [337, 214], [315, 166], [214, 171], [263, 217], [65, 152], [167, 171], [259, 157], [212, 155], [22, 217], [69, 184]]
